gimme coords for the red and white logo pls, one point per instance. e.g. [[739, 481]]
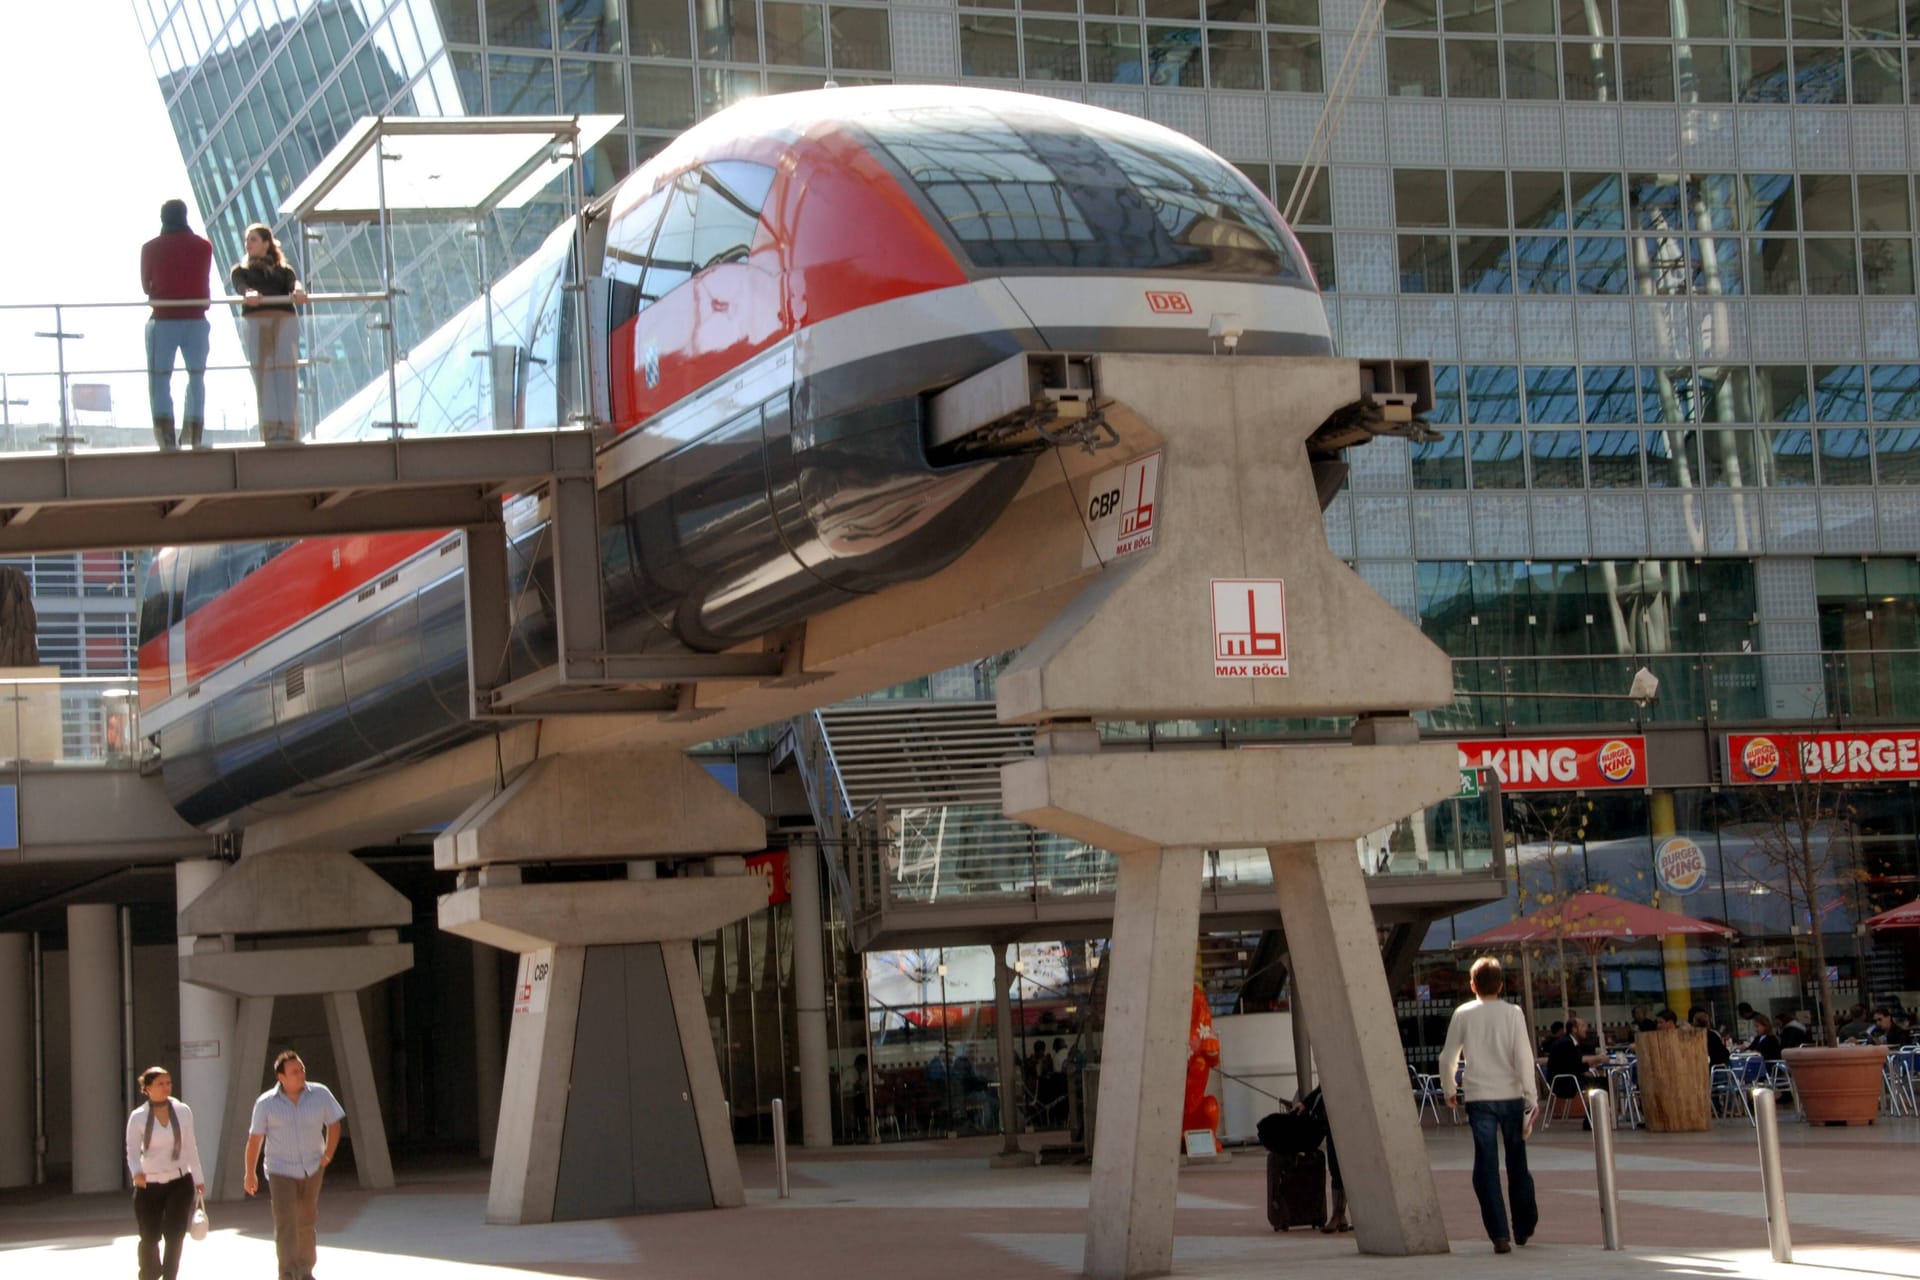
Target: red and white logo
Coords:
[[1168, 302], [1616, 761], [1249, 627], [1761, 757]]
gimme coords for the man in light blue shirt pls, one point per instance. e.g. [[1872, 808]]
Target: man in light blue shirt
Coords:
[[299, 1124]]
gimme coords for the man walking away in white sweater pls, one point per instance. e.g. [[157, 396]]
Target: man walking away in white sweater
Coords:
[[1499, 1089]]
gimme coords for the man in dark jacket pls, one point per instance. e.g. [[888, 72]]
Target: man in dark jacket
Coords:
[[176, 265]]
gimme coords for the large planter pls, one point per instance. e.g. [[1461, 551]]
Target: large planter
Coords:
[[1839, 1085]]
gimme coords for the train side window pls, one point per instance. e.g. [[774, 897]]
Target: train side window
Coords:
[[207, 575], [728, 214], [157, 596], [671, 263], [630, 240]]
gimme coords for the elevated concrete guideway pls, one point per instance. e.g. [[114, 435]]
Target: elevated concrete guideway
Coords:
[[112, 500]]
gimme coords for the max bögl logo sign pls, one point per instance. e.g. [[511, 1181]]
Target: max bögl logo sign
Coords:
[[1869, 756], [1680, 866], [1559, 764]]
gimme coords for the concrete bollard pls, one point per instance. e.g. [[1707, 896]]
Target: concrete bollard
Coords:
[[1600, 1114], [1766, 1123], [780, 1147]]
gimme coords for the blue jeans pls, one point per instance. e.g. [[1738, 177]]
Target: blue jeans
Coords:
[[186, 340], [1502, 1119]]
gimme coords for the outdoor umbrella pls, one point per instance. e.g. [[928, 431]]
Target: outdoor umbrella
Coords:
[[1907, 917], [1592, 920]]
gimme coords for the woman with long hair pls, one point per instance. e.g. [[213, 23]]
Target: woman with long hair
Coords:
[[167, 1174], [269, 291]]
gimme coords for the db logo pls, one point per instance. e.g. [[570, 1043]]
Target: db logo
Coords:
[[1166, 303], [1680, 866], [1616, 761], [1761, 757]]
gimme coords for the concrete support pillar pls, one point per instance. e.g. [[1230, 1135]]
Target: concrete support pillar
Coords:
[[1136, 1153], [489, 1054], [252, 1023], [366, 1127], [1338, 979], [16, 1061], [207, 1020], [1302, 1038], [710, 1112], [1012, 1083], [93, 1001], [810, 995]]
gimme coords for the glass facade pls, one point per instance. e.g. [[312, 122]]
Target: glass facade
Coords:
[[1661, 253]]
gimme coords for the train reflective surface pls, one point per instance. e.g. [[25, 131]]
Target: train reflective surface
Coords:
[[772, 303]]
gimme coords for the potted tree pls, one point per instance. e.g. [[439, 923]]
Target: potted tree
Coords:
[[1801, 846]]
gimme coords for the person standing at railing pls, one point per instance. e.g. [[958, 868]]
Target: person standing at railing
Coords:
[[266, 280], [177, 264]]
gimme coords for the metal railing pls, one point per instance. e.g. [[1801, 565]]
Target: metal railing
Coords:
[[77, 721]]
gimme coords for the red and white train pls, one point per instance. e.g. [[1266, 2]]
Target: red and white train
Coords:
[[776, 297]]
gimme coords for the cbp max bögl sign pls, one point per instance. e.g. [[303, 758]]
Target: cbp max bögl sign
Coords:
[[1760, 758], [1592, 762]]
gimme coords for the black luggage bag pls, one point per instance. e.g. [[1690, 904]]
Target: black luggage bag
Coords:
[[1296, 1189]]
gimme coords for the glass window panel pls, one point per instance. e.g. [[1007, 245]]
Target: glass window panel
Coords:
[[1238, 11], [1773, 265], [1319, 248], [795, 81], [1540, 265], [1780, 393], [1187, 10], [1833, 266], [1839, 393], [1767, 203], [1555, 456], [1611, 393], [1113, 53], [1716, 266], [1497, 461], [1816, 20], [522, 23], [520, 85], [1788, 457], [1888, 265], [1486, 264], [590, 26], [1053, 49], [1493, 393], [1527, 17], [1714, 200], [1896, 392], [1826, 202], [1600, 264], [1318, 209], [1587, 17], [1884, 203], [1413, 68], [659, 28], [1589, 72], [1660, 264], [1426, 264], [1411, 15], [988, 46], [1673, 459], [1293, 13], [662, 97], [1293, 59], [593, 87], [1261, 176], [1553, 394], [459, 20], [1761, 70], [1533, 69], [1655, 201], [1539, 199], [1597, 202], [1446, 395], [1845, 456], [796, 34], [860, 39], [1875, 19], [1876, 75], [1613, 459], [1233, 58], [1731, 458], [1114, 8], [1648, 19], [1759, 20], [1420, 197], [1819, 74], [721, 87], [729, 32], [1480, 198], [1473, 69], [1646, 72], [1174, 59], [1442, 463], [1706, 73], [1897, 453]]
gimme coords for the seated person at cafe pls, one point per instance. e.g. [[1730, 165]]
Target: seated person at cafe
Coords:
[[1764, 1042], [1718, 1055], [1798, 1031], [1568, 1063], [1888, 1032], [1855, 1024], [1641, 1022], [1554, 1033]]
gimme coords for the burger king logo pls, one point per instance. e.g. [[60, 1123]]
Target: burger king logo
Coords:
[[1616, 761], [1680, 866], [1761, 758]]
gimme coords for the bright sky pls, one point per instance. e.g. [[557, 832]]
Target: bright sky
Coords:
[[89, 156]]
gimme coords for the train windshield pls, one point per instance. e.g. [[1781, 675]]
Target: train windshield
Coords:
[[1033, 191]]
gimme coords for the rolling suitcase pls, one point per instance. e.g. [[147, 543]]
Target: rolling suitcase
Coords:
[[1296, 1189]]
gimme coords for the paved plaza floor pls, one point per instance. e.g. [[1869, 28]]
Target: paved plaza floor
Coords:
[[1690, 1206]]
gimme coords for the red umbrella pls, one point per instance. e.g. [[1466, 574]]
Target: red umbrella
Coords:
[[1592, 919], [1907, 917]]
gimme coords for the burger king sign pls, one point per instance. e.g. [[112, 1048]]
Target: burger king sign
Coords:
[[1680, 866]]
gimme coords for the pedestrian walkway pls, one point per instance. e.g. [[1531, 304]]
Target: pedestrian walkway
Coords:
[[1690, 1206]]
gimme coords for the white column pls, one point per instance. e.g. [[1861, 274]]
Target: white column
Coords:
[[489, 1051], [16, 1062], [810, 995], [93, 1002], [206, 1029]]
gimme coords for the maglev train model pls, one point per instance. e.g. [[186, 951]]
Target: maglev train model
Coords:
[[773, 302]]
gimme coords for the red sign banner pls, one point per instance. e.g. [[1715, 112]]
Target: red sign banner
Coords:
[[773, 868], [1868, 756], [1560, 764]]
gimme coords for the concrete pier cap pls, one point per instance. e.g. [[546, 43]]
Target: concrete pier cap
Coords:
[[1233, 606]]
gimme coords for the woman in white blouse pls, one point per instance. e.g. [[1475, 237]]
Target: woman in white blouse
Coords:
[[167, 1173]]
